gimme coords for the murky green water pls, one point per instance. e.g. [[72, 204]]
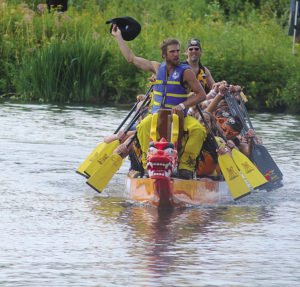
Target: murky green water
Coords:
[[56, 231]]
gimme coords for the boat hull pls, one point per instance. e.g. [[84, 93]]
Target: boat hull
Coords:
[[176, 192]]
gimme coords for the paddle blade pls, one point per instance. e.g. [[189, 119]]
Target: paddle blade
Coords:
[[105, 172], [267, 166], [236, 184], [248, 169], [80, 170], [100, 157]]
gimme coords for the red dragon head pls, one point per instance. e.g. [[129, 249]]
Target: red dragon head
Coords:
[[161, 159]]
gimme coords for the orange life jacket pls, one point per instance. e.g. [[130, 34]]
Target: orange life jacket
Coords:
[[206, 166]]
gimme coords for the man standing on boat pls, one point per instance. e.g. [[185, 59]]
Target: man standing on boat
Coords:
[[171, 91]]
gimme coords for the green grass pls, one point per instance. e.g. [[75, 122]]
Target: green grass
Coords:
[[72, 58]]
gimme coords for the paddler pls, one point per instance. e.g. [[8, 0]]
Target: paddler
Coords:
[[173, 83]]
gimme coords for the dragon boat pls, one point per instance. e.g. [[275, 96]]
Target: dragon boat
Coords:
[[175, 192], [160, 185], [161, 188]]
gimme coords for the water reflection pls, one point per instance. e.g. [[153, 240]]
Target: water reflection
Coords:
[[168, 240]]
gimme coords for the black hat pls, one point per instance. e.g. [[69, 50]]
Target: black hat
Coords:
[[235, 123], [193, 42], [129, 27]]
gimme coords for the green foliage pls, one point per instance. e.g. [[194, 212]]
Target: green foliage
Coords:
[[65, 71], [71, 57], [258, 58], [291, 92], [268, 8]]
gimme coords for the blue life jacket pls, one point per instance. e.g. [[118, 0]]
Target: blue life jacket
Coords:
[[169, 92]]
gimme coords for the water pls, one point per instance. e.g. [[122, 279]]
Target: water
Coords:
[[57, 231]]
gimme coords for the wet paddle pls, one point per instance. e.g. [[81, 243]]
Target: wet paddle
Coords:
[[108, 149], [248, 169], [104, 174], [253, 176], [236, 184], [259, 154], [99, 148]]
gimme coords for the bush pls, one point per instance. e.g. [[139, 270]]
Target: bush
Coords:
[[65, 72], [71, 57]]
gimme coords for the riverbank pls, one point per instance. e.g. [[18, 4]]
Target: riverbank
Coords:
[[71, 57]]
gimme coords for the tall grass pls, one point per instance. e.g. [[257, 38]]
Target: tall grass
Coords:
[[65, 71], [71, 57]]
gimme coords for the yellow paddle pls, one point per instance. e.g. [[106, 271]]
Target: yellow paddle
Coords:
[[100, 147], [259, 154], [236, 184], [104, 174], [248, 169], [107, 149], [251, 173], [103, 153]]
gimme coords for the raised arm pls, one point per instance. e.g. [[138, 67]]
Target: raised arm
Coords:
[[222, 88], [144, 64]]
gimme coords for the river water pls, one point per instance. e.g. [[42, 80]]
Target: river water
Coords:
[[56, 231]]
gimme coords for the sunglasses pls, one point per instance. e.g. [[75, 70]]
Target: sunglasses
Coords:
[[232, 133], [194, 49]]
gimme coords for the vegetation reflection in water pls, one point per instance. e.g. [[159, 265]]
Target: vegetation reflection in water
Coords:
[[166, 237]]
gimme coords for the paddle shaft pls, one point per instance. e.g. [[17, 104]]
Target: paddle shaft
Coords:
[[208, 127], [235, 110], [132, 110], [126, 118], [246, 113], [140, 111]]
